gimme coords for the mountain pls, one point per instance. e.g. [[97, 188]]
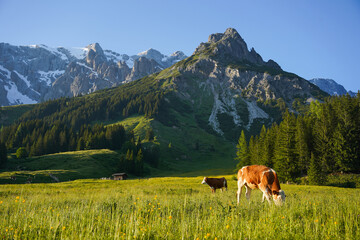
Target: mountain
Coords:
[[32, 74], [195, 109], [330, 86]]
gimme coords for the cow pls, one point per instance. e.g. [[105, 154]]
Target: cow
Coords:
[[215, 183], [263, 178]]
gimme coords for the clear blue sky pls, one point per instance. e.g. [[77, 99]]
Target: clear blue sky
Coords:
[[310, 38]]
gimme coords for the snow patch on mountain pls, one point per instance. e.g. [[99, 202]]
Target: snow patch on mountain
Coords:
[[7, 72], [48, 77], [23, 78], [15, 97]]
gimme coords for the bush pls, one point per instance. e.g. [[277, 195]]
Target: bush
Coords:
[[21, 153]]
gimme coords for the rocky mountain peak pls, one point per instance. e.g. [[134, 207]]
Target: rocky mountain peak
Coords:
[[231, 47], [96, 48]]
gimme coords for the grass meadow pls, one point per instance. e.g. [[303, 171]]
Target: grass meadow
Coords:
[[173, 208]]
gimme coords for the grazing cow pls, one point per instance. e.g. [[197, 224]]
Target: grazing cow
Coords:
[[261, 177], [215, 183]]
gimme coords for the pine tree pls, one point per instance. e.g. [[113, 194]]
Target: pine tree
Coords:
[[242, 153], [3, 154], [285, 155], [302, 139], [139, 164], [323, 134], [315, 174]]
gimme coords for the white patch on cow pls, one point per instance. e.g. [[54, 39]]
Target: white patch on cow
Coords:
[[203, 181]]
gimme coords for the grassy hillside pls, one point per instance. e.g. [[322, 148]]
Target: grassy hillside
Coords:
[[65, 166], [173, 208]]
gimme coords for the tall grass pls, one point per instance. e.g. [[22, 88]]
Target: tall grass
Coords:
[[173, 208]]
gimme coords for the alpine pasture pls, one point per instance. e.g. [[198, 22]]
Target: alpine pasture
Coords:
[[173, 208]]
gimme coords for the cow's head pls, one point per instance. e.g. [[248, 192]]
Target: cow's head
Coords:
[[204, 180], [279, 197]]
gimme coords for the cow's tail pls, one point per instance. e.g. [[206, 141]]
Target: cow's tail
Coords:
[[225, 184]]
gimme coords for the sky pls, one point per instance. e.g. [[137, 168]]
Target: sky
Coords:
[[314, 39]]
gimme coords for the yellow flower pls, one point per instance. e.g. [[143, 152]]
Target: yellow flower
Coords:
[[149, 203], [1, 202], [63, 228], [335, 222], [170, 217], [17, 197], [208, 234], [23, 201], [134, 203], [316, 220], [210, 208], [227, 226]]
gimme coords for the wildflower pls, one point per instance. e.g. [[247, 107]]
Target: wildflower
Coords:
[[17, 197], [210, 208], [316, 220], [208, 234], [170, 217], [23, 201], [51, 227], [227, 226], [149, 203], [134, 203], [1, 202], [335, 222], [63, 228]]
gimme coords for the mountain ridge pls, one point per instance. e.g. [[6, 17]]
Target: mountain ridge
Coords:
[[36, 73]]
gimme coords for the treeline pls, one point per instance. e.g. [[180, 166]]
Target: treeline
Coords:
[[139, 97], [36, 138], [325, 140]]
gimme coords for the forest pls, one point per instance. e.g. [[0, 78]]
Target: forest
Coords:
[[325, 140]]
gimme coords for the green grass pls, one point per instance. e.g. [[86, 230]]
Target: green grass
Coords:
[[173, 208], [65, 166]]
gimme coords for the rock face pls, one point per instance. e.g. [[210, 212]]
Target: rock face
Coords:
[[31, 74], [224, 74], [330, 86]]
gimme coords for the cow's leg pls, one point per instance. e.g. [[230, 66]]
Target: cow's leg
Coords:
[[248, 193], [266, 193], [240, 186]]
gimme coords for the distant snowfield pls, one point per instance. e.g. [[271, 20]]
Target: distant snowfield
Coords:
[[15, 97]]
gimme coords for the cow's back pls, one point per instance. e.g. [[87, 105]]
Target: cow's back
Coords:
[[253, 175]]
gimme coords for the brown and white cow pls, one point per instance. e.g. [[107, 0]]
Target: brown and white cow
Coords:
[[263, 178], [215, 183]]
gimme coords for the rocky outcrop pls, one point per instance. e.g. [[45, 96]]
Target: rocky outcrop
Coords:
[[236, 79], [231, 47]]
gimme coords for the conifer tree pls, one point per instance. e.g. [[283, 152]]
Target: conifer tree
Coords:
[[3, 154], [139, 164], [302, 142], [285, 155], [242, 152], [315, 174]]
